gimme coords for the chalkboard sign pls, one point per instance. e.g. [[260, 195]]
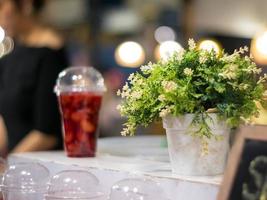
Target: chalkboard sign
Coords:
[[245, 176]]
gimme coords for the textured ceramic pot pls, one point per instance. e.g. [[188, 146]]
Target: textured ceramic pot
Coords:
[[185, 151]]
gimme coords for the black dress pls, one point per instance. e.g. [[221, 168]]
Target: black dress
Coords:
[[27, 100]]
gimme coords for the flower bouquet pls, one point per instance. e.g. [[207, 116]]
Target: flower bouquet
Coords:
[[200, 95]]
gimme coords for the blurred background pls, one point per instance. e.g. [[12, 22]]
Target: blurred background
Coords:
[[117, 36]]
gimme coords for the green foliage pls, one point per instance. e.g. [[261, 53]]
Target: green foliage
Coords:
[[193, 81]]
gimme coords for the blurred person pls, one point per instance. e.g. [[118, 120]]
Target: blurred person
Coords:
[[30, 119]]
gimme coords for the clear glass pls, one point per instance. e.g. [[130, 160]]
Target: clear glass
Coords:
[[74, 184], [79, 91], [137, 189], [25, 181]]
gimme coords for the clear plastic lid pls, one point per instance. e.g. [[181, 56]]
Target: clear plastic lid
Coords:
[[137, 189], [80, 79], [25, 177], [74, 184]]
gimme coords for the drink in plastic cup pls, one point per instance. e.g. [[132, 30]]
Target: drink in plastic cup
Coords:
[[79, 91]]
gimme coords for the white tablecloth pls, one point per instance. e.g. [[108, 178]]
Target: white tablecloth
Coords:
[[124, 157]]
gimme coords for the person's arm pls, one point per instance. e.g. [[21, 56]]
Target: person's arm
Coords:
[[36, 141], [3, 137]]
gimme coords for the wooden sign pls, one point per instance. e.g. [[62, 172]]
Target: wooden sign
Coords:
[[245, 176]]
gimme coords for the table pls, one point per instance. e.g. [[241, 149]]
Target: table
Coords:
[[121, 157]]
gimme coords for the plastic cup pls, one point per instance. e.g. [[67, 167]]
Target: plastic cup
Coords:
[[2, 170], [137, 189], [79, 91], [25, 181], [74, 184]]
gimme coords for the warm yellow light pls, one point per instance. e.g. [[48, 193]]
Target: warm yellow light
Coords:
[[2, 34], [208, 45], [130, 54], [261, 43], [259, 47], [167, 49]]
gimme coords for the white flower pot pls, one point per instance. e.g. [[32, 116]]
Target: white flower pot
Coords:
[[185, 151]]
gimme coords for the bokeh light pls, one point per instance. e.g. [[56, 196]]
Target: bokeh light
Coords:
[[2, 34], [130, 54], [9, 44], [208, 45], [164, 33], [167, 49], [259, 47]]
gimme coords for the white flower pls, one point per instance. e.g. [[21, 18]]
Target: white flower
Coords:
[[243, 50], [243, 86], [262, 79], [229, 72], [139, 81], [165, 111], [180, 54], [253, 69], [202, 59], [169, 85], [191, 44], [246, 48], [119, 107], [119, 93], [161, 98], [125, 87], [188, 71], [136, 95], [147, 68], [131, 77], [125, 131]]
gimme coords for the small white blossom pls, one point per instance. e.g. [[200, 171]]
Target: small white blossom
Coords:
[[128, 130], [188, 71], [164, 112], [136, 95], [131, 77], [161, 98], [139, 81], [125, 87], [202, 59], [243, 86], [229, 72], [119, 93], [191, 44], [243, 50], [169, 85], [125, 131], [253, 69], [180, 54], [119, 107], [147, 68], [246, 48], [262, 79]]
